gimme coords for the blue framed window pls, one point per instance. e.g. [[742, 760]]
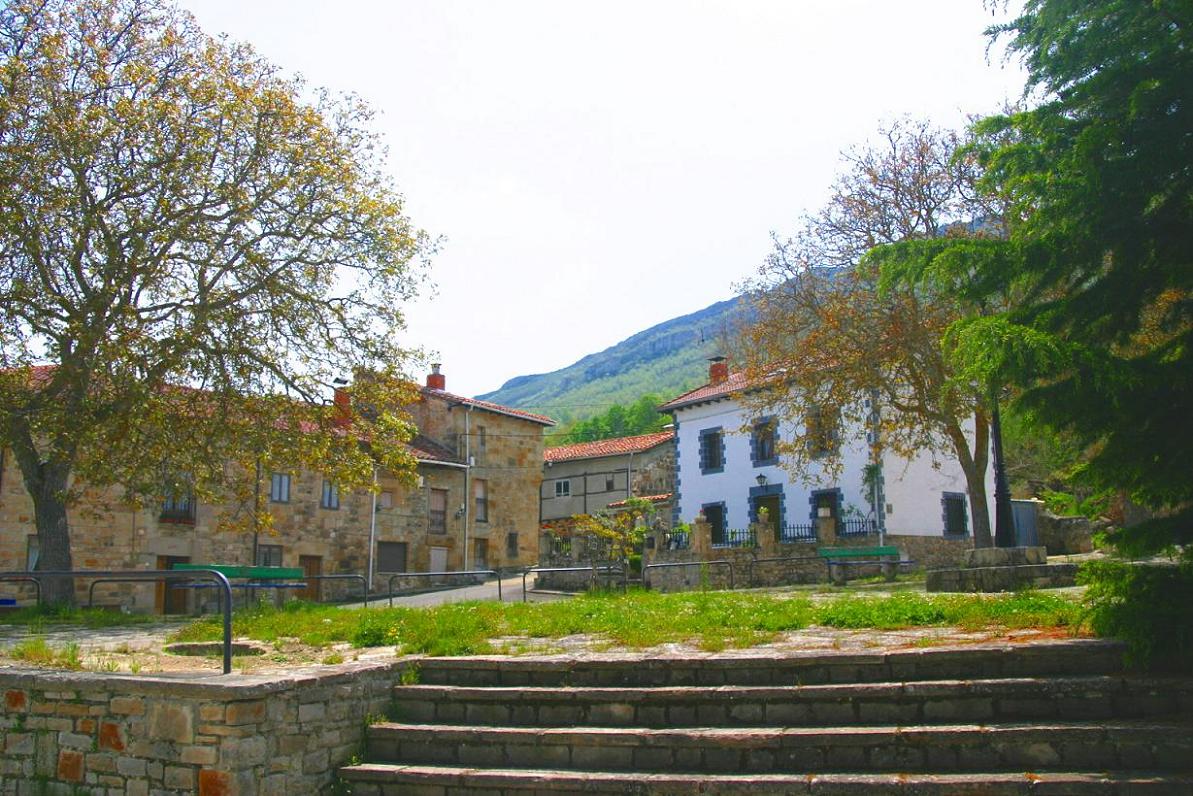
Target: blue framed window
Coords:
[[712, 450], [763, 438]]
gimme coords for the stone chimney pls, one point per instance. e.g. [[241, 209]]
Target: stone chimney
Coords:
[[435, 379], [718, 370]]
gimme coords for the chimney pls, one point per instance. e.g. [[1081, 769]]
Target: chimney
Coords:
[[718, 370], [342, 403], [435, 379]]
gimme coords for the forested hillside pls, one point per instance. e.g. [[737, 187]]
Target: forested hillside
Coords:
[[665, 359]]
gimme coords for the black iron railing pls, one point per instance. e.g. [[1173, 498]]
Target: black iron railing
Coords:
[[736, 537], [789, 534], [676, 540]]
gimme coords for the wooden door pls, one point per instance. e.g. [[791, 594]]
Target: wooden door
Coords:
[[312, 566], [167, 599], [438, 560]]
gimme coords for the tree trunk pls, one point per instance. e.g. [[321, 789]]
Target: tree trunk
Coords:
[[980, 509], [46, 483], [53, 540]]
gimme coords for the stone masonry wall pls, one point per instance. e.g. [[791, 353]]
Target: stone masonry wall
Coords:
[[802, 564], [97, 733]]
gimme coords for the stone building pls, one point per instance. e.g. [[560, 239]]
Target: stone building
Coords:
[[589, 476], [474, 506]]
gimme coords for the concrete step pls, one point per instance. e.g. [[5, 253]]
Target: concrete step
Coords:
[[1044, 746], [1010, 699], [984, 661], [375, 779]]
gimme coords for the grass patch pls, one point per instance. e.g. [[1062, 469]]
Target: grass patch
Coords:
[[37, 651], [98, 618], [712, 620]]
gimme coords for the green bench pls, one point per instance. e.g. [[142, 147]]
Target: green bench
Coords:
[[250, 578], [839, 559]]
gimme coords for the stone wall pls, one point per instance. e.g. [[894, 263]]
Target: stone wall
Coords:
[[801, 563], [1064, 535], [225, 736]]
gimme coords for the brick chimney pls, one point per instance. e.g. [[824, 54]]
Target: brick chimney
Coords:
[[342, 403], [718, 370], [435, 379]]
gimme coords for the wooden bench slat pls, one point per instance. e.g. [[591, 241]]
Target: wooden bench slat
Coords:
[[857, 552], [256, 573]]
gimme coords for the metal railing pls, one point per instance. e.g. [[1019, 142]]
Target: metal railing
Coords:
[[471, 572], [718, 562], [136, 575], [676, 540], [789, 534], [737, 537], [608, 571], [364, 583], [857, 527], [26, 577]]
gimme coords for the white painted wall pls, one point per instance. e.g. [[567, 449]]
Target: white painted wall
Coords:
[[914, 488]]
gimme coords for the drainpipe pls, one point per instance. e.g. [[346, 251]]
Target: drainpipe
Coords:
[[467, 478], [372, 535]]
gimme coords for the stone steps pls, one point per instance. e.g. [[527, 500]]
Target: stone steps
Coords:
[[1055, 717], [373, 779], [985, 661], [1001, 700], [1056, 746]]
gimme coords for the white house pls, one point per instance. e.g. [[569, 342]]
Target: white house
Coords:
[[726, 469]]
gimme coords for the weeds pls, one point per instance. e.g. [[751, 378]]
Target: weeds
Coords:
[[37, 651], [638, 619]]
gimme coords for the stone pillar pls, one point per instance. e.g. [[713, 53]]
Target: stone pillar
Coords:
[[768, 543], [826, 531], [701, 539]]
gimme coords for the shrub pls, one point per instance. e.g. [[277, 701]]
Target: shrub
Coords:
[[1149, 606]]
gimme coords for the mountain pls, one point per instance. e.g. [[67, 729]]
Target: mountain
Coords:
[[666, 359]]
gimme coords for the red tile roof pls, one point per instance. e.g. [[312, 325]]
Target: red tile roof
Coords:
[[426, 449], [709, 392], [489, 407], [663, 498], [607, 447]]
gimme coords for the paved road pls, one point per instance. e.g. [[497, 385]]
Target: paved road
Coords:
[[511, 588]]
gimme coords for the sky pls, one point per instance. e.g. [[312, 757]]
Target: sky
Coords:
[[596, 168]]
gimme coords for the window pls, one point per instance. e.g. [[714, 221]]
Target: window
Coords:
[[437, 511], [385, 500], [482, 439], [511, 545], [32, 552], [279, 488], [178, 507], [762, 443], [712, 451], [269, 555], [955, 517], [330, 498], [821, 426], [480, 554], [563, 489], [608, 483], [480, 491], [391, 556]]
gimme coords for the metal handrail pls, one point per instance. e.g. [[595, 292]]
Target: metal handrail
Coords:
[[131, 575], [750, 564], [608, 570], [364, 583], [397, 575], [25, 576], [719, 562]]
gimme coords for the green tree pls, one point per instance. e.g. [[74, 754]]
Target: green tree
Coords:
[[1098, 176], [196, 246], [640, 417]]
